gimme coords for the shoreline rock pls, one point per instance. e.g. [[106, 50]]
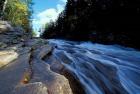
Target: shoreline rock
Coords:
[[31, 58], [22, 66], [6, 57], [32, 88]]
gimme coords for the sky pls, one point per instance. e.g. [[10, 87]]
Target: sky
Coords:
[[46, 11]]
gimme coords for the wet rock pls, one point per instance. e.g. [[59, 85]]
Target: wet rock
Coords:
[[57, 66], [42, 51], [75, 84], [31, 88], [56, 83], [28, 55], [35, 43]]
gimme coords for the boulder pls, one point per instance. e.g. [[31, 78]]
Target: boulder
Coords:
[[57, 66], [42, 51], [56, 83]]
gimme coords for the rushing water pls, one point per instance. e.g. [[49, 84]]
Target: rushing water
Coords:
[[101, 69]]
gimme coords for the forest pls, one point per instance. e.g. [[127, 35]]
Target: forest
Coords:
[[102, 21], [17, 12]]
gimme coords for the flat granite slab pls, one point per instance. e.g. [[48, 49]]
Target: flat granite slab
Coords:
[[11, 75], [6, 57], [30, 74]]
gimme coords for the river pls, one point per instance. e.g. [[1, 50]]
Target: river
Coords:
[[101, 69]]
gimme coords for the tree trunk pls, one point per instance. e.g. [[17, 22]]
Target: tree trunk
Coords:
[[3, 8]]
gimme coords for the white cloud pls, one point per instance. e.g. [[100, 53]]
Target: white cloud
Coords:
[[64, 1], [48, 15], [60, 8]]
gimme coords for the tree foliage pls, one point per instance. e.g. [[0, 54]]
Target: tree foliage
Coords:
[[18, 12], [104, 21]]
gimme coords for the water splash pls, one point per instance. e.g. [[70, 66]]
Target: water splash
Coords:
[[101, 69]]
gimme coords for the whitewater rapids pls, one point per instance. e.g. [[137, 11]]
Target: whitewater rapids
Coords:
[[101, 69]]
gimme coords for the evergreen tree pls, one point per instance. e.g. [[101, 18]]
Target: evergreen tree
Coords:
[[104, 21]]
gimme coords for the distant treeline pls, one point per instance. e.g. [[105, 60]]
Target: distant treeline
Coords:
[[102, 21]]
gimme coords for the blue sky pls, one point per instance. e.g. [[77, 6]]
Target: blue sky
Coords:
[[46, 11]]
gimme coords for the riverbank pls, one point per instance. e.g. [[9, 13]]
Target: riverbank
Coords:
[[27, 73], [22, 68]]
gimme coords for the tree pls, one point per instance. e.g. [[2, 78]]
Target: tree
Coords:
[[3, 4], [18, 12], [104, 21]]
